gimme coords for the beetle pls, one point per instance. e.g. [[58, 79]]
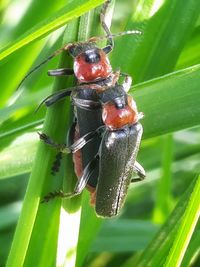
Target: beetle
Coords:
[[105, 136], [115, 140]]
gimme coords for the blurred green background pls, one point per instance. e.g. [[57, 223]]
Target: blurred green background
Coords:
[[170, 151]]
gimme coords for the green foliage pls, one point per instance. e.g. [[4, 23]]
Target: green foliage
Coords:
[[158, 225]]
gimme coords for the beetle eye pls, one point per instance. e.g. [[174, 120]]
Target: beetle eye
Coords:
[[93, 57]]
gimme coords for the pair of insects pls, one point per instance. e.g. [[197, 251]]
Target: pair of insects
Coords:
[[105, 136]]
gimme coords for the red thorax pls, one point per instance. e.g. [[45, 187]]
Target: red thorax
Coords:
[[88, 72], [115, 118]]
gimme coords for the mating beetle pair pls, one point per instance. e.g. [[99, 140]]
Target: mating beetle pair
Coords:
[[106, 133]]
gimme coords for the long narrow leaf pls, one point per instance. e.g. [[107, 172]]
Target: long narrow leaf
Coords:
[[166, 26], [73, 10], [35, 215], [186, 229], [170, 103], [157, 251]]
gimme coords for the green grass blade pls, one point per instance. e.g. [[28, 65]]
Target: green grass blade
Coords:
[[25, 147], [191, 52], [72, 10], [166, 26], [158, 249], [28, 17], [186, 228], [23, 58], [163, 201], [170, 103], [35, 216], [124, 235], [26, 103], [89, 228], [21, 126], [193, 249], [9, 214]]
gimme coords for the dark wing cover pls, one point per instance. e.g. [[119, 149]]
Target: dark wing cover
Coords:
[[89, 120], [118, 154]]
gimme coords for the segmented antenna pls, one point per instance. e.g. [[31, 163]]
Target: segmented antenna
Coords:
[[57, 52], [66, 47], [109, 36], [94, 39]]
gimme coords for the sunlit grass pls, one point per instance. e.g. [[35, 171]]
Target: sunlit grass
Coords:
[[160, 214]]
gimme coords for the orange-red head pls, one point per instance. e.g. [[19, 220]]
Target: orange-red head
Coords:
[[116, 118], [90, 63]]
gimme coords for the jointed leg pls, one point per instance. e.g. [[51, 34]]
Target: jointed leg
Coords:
[[85, 104], [127, 81], [80, 185], [78, 144], [61, 72], [52, 99], [139, 170]]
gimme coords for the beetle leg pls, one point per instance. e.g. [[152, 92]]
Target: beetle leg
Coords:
[[82, 141], [60, 147], [127, 81], [86, 104], [52, 99], [87, 172], [56, 164], [72, 148], [139, 170], [78, 144], [60, 72], [80, 185]]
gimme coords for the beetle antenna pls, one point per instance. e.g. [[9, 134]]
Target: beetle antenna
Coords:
[[95, 39], [126, 33], [57, 52], [109, 36]]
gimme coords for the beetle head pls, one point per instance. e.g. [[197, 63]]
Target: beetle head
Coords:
[[90, 62]]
